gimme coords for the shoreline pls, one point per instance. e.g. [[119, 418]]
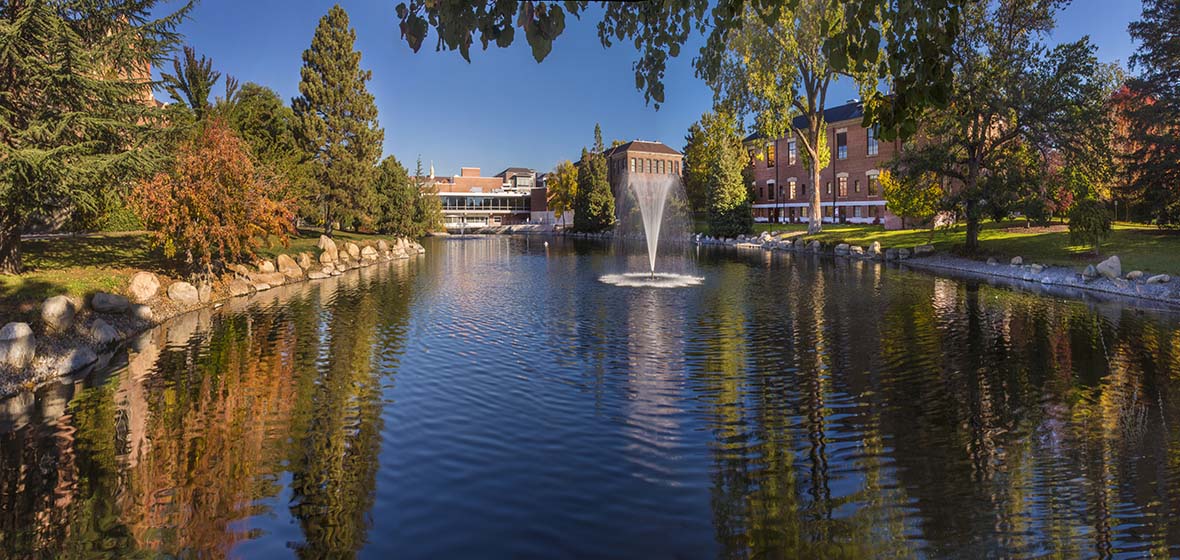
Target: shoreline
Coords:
[[93, 336]]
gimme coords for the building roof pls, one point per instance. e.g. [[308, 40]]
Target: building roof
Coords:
[[642, 146], [847, 111], [515, 171]]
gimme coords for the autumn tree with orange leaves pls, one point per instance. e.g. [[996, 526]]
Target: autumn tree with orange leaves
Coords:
[[214, 205]]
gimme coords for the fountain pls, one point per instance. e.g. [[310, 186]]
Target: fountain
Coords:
[[651, 195]]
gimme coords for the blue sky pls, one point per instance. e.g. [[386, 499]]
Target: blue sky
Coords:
[[503, 109]]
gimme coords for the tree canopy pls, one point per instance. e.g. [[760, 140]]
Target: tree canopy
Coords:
[[337, 121]]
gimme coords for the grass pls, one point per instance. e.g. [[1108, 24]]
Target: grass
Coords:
[[79, 266], [1139, 246]]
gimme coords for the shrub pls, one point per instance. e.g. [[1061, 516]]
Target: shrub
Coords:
[[214, 204], [1089, 223]]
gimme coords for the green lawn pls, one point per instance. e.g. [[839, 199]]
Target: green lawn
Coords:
[[80, 266], [1140, 247]]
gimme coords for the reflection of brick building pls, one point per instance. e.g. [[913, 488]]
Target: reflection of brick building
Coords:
[[849, 191]]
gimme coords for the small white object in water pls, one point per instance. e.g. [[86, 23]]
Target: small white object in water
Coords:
[[649, 280], [546, 243]]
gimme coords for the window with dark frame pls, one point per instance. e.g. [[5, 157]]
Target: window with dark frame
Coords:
[[770, 154], [871, 134], [841, 145], [842, 185]]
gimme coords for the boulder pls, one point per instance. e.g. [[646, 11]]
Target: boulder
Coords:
[[265, 266], [288, 267], [204, 292], [238, 287], [1111, 268], [382, 246], [305, 261], [1159, 279], [1134, 275], [903, 254], [369, 253], [1036, 268], [184, 293], [875, 248], [317, 275], [102, 334], [261, 286], [272, 278], [842, 249], [74, 360], [1016, 261], [18, 346], [991, 261], [328, 248], [814, 246], [240, 270], [354, 252], [890, 254], [57, 314], [142, 312], [1090, 272], [144, 286], [103, 302], [923, 250], [856, 250]]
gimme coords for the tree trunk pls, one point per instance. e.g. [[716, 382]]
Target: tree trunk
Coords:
[[815, 225], [972, 228], [10, 259]]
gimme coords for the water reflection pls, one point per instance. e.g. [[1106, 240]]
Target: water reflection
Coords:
[[496, 400]]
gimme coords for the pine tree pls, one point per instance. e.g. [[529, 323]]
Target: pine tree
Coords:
[[727, 198], [76, 114], [1154, 115], [594, 207], [428, 216], [337, 121], [395, 199], [192, 81]]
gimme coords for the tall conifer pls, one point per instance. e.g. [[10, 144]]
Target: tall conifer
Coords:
[[337, 121]]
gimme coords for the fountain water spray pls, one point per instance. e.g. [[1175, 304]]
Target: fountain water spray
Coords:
[[651, 192]]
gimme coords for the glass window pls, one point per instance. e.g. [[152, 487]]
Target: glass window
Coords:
[[791, 189], [770, 154], [841, 145], [842, 185], [829, 187], [827, 211], [873, 186], [752, 160], [792, 152], [871, 134], [856, 186], [770, 191], [856, 211], [633, 165], [803, 190], [806, 210]]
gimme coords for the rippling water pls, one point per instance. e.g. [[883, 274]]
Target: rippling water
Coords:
[[494, 399]]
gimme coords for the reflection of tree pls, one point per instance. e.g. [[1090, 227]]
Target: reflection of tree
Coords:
[[191, 438]]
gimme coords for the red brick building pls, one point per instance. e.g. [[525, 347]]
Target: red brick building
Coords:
[[849, 190], [641, 157]]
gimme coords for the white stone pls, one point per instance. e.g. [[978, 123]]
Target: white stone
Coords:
[[1036, 268], [57, 314], [329, 249], [923, 250], [72, 361], [265, 266], [288, 267], [103, 302], [238, 287], [903, 254], [18, 346], [142, 312], [1159, 279], [144, 286], [875, 248], [382, 246], [842, 249], [1016, 261], [184, 293], [354, 252], [1111, 268], [261, 286], [1134, 275], [204, 293], [369, 253], [991, 261], [102, 334]]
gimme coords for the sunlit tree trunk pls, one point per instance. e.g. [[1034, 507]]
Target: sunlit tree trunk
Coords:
[[10, 258]]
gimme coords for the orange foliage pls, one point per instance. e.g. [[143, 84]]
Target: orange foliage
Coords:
[[215, 204]]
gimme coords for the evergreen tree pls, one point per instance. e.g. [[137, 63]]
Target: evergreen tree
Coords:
[[395, 199], [337, 121], [696, 159], [1154, 131], [191, 82], [728, 198], [594, 207], [76, 115], [267, 125], [428, 216]]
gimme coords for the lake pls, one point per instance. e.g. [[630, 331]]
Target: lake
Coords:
[[494, 399]]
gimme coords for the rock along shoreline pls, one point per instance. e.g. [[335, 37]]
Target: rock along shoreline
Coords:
[[72, 337], [1105, 278]]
